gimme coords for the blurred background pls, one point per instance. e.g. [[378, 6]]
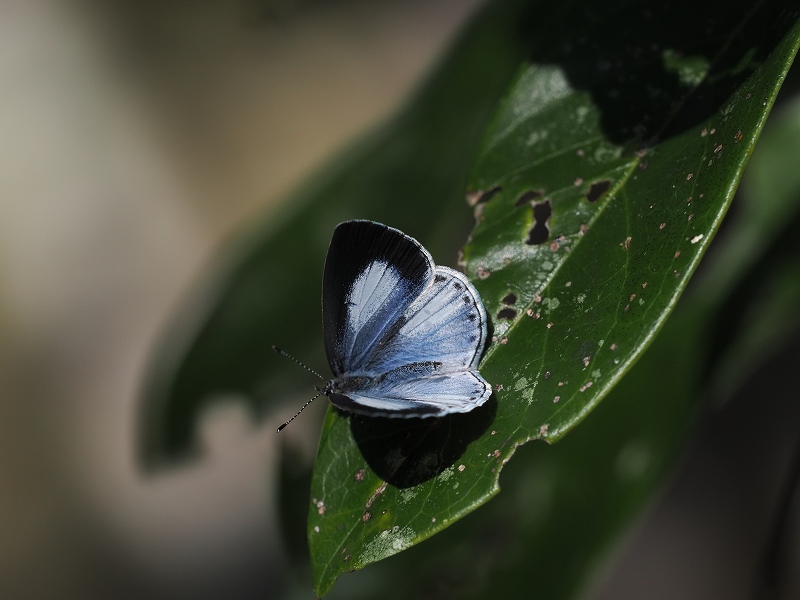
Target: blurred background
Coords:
[[135, 138]]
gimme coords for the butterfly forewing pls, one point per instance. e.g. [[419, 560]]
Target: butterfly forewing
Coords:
[[373, 273]]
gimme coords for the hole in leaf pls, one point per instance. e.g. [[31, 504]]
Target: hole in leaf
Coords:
[[540, 233], [597, 189], [510, 298], [507, 313], [481, 196], [526, 197]]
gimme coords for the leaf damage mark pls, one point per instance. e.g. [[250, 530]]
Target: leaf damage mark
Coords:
[[507, 313], [375, 494], [597, 189], [540, 232], [509, 299], [482, 196], [528, 196]]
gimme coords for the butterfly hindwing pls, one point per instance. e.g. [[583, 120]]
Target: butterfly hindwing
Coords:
[[445, 324], [417, 390]]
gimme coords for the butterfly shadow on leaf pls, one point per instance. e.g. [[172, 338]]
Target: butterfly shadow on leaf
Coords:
[[407, 452]]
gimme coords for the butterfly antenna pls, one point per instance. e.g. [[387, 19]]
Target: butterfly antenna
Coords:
[[293, 359], [299, 411]]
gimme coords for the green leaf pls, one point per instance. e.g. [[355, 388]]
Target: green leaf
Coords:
[[636, 140], [563, 505]]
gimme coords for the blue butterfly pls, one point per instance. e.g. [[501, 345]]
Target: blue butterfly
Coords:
[[403, 337]]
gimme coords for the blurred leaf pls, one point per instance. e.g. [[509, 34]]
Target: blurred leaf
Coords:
[[600, 181], [763, 307], [266, 290], [294, 478]]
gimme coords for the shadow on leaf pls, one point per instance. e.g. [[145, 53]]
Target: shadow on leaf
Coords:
[[654, 71], [408, 452]]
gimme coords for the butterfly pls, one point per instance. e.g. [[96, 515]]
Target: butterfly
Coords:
[[403, 337]]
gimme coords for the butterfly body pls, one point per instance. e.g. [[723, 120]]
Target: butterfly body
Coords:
[[403, 337]]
